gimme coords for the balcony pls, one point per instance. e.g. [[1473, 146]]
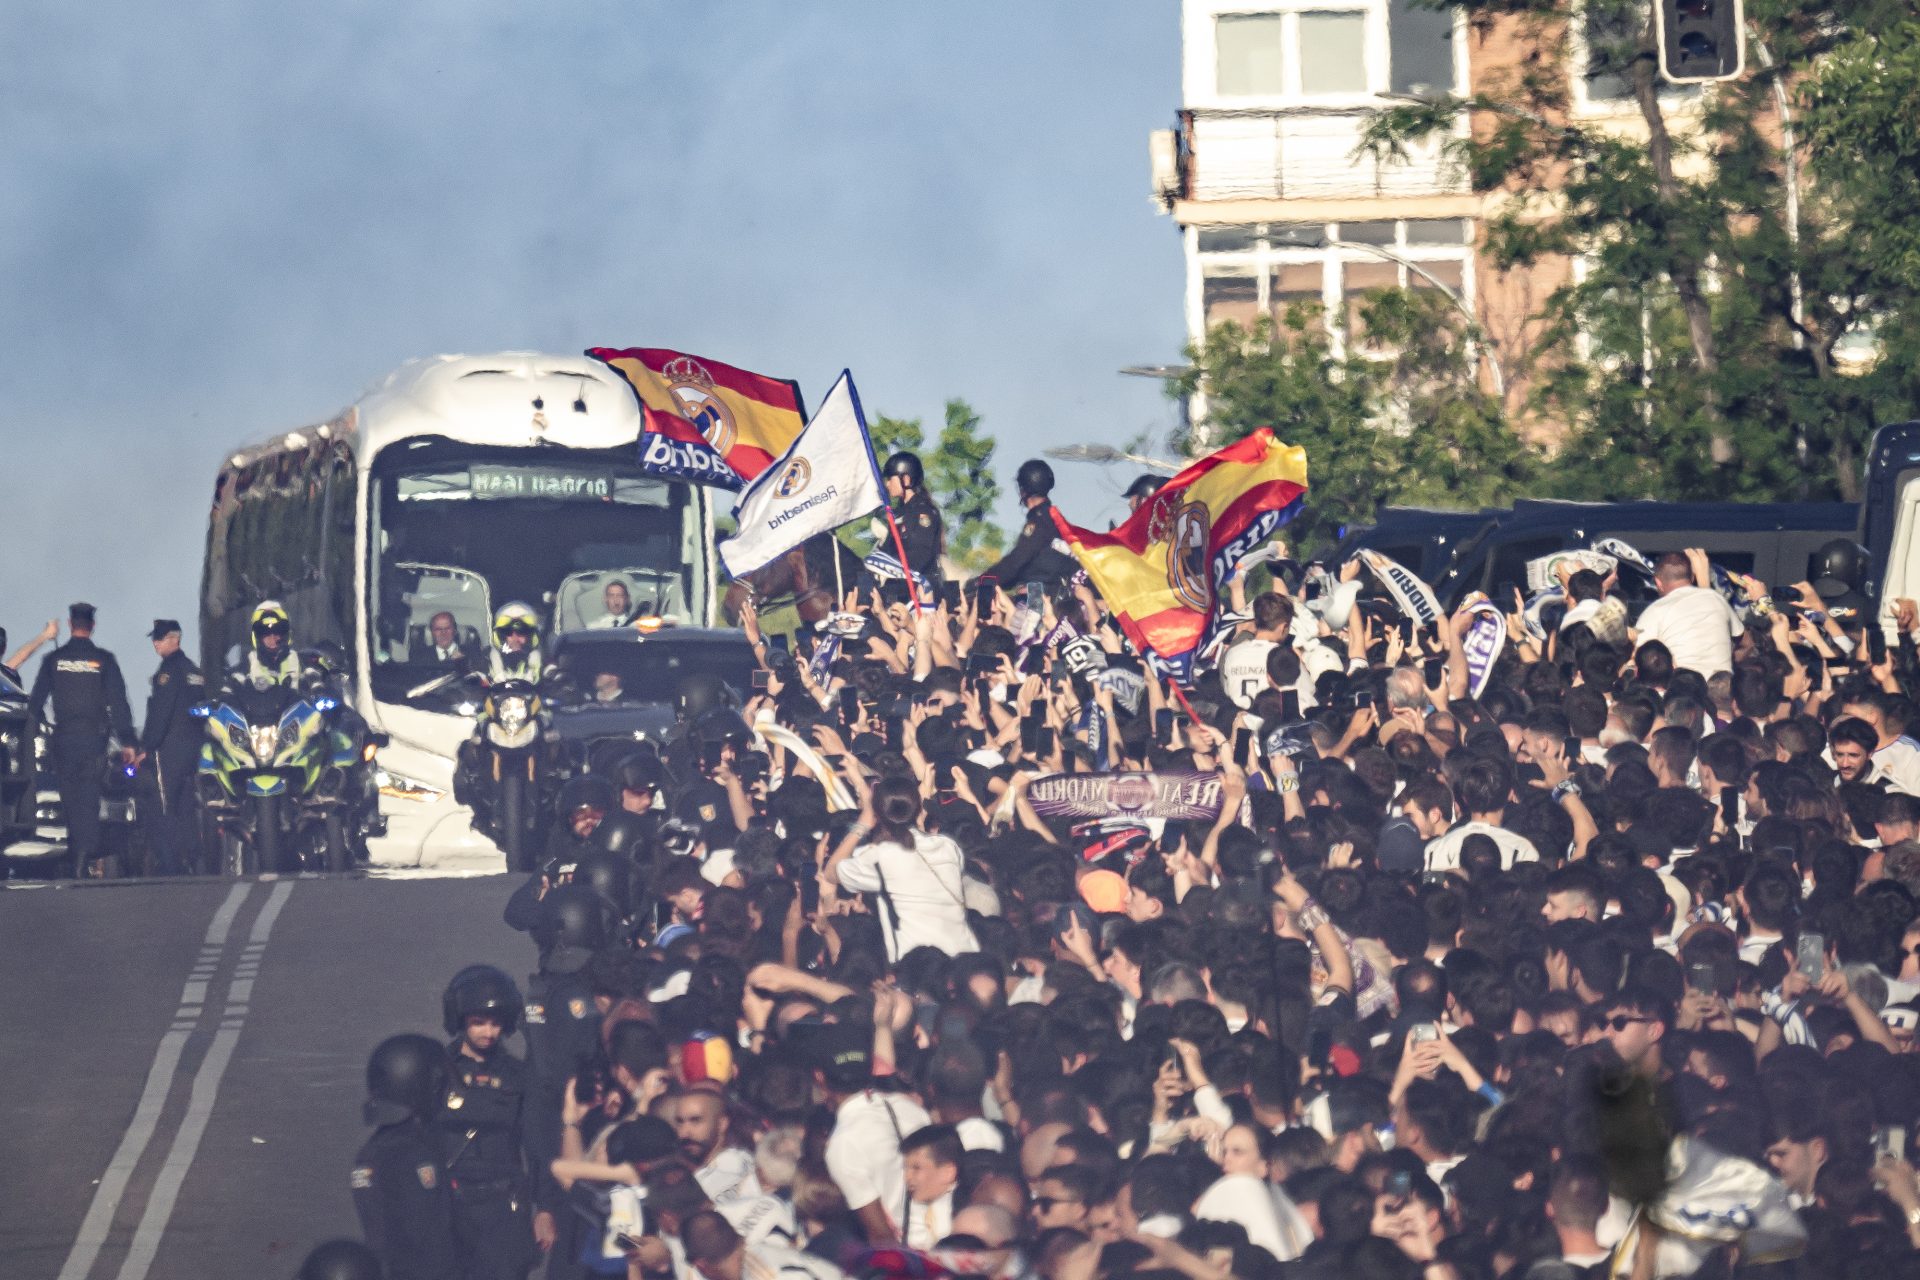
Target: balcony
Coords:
[[1250, 155]]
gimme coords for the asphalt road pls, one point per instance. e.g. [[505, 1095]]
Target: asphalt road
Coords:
[[181, 1063]]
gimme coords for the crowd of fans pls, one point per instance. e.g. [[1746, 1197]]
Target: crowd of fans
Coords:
[[1608, 966]]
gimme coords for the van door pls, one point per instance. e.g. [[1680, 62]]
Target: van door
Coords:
[[1892, 517]]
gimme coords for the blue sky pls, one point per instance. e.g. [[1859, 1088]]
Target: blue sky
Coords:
[[220, 219]]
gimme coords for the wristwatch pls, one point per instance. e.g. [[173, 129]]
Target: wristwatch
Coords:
[[1564, 788]]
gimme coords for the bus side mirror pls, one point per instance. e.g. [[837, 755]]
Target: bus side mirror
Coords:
[[379, 739]]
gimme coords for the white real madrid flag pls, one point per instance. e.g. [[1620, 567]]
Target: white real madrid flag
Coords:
[[826, 477]]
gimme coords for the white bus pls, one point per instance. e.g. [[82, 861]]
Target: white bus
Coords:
[[456, 485]]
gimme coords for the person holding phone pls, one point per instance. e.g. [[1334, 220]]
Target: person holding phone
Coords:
[[915, 876]]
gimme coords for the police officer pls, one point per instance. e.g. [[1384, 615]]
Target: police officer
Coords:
[[82, 681], [270, 658], [1142, 489], [399, 1181], [563, 1024], [516, 644], [169, 748], [1039, 554], [481, 1130], [914, 514]]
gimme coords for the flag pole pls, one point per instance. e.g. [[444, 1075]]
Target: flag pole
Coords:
[[839, 587]]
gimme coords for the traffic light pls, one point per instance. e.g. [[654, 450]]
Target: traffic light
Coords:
[[1700, 40]]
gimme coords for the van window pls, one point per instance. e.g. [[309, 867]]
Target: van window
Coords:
[[1510, 564]]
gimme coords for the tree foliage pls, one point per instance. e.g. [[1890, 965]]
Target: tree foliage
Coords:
[[960, 472], [890, 435], [1695, 355], [1396, 417]]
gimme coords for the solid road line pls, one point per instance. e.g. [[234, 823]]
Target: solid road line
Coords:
[[206, 1091], [146, 1116]]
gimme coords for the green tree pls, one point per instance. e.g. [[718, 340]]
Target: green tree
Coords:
[[1695, 355], [1395, 417], [960, 473], [889, 435]]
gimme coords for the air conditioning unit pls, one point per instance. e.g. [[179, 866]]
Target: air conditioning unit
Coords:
[[1163, 152]]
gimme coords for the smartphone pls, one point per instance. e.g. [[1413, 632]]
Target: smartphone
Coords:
[[1036, 592], [1241, 736], [983, 590], [950, 595], [1700, 977], [1811, 956], [849, 703], [1890, 1140], [1163, 725], [760, 679], [1424, 1031], [1729, 806], [1361, 698], [1398, 1186], [1432, 670], [781, 641], [1031, 730], [1876, 643], [893, 724]]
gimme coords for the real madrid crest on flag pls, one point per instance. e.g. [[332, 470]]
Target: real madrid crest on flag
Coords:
[[706, 421]]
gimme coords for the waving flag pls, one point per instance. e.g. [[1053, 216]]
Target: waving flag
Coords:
[[824, 479], [1164, 570], [703, 420]]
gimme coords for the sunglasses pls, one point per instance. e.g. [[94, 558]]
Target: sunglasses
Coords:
[[1621, 1021], [1045, 1203]]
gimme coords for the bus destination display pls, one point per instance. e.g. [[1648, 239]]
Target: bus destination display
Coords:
[[566, 484]]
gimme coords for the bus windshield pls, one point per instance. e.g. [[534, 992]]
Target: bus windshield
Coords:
[[457, 532]]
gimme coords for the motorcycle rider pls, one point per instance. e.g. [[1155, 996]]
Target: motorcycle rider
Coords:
[[399, 1183], [481, 1130], [914, 514], [516, 644], [1039, 554], [270, 658], [170, 743], [82, 682]]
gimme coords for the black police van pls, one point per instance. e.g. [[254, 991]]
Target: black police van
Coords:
[[1489, 550]]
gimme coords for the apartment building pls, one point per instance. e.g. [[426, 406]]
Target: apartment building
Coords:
[[1275, 206]]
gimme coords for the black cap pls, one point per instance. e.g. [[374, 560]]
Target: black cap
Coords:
[[161, 626], [80, 612]]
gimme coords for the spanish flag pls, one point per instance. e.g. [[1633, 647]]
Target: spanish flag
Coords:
[[1162, 572], [744, 419]]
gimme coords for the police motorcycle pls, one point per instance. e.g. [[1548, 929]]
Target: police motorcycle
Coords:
[[280, 782], [502, 769]]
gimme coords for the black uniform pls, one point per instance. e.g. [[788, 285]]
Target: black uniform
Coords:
[[171, 739], [563, 1032], [1039, 554], [89, 699], [482, 1140], [406, 1209], [921, 533]]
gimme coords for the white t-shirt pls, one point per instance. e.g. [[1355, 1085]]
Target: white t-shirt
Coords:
[[728, 1175], [923, 884], [1243, 671], [1443, 851], [863, 1154], [1698, 627], [1270, 1218], [1899, 763]]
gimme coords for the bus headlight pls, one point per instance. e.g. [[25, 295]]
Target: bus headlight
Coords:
[[401, 787]]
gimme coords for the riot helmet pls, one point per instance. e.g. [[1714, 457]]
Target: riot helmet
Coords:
[[406, 1076], [1034, 479], [621, 834], [698, 693], [477, 989], [340, 1260], [609, 876], [723, 725], [572, 926], [905, 466], [1838, 567], [587, 792], [1143, 488]]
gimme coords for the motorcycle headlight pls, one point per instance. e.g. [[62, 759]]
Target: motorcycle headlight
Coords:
[[511, 712], [263, 740], [401, 787]]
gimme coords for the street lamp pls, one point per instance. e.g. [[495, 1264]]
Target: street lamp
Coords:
[[1106, 453]]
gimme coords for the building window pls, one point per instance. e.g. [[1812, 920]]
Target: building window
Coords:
[[1231, 297], [1292, 284], [1320, 49], [1250, 56], [1333, 54]]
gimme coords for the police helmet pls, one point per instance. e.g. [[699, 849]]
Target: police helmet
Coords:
[[587, 792], [340, 1260], [637, 773], [405, 1077], [1837, 567], [1145, 487], [609, 876], [572, 926], [1034, 479], [698, 693], [622, 834], [480, 988], [516, 616], [723, 724], [270, 619], [907, 466]]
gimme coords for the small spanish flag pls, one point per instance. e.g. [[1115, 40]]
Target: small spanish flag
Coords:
[[704, 420], [1164, 570]]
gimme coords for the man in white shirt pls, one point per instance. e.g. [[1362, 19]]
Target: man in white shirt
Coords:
[[863, 1154], [1481, 793], [718, 1253], [723, 1171], [1896, 757], [1695, 622], [619, 606]]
